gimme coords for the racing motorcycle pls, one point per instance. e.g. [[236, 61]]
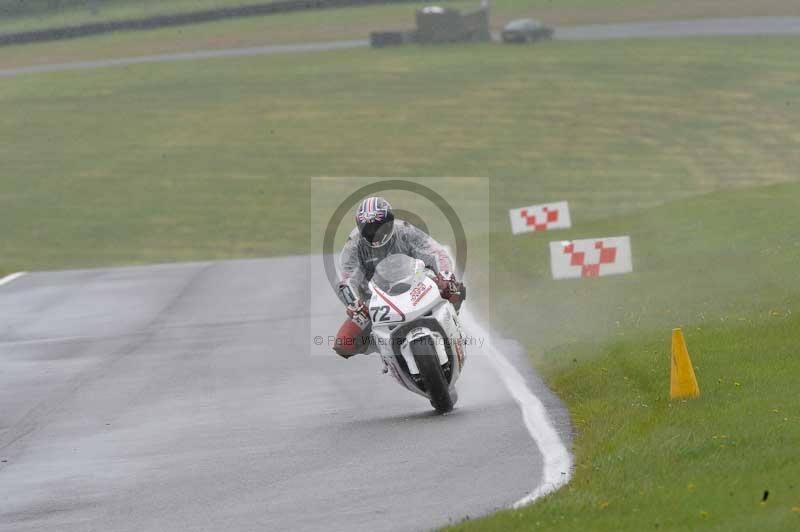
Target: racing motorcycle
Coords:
[[416, 332]]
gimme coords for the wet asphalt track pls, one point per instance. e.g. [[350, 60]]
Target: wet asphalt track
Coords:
[[190, 397], [674, 28]]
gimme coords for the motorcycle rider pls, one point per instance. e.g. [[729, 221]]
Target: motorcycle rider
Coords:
[[376, 236]]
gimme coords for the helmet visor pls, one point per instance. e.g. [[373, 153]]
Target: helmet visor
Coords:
[[376, 234]]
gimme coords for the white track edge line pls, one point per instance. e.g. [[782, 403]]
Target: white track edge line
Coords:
[[557, 460], [8, 278]]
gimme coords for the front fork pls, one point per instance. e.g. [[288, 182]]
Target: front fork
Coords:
[[415, 334]]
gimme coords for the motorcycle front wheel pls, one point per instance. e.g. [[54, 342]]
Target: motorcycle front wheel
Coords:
[[431, 371]]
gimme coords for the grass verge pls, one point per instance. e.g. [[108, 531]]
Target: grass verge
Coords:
[[719, 462], [644, 463]]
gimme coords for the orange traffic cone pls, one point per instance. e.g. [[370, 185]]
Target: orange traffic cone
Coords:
[[683, 382]]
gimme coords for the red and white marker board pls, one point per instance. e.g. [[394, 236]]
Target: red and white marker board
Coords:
[[540, 218], [590, 257]]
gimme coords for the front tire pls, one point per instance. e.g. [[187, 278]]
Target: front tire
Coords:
[[431, 371]]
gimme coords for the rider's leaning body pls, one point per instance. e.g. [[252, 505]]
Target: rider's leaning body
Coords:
[[376, 236]]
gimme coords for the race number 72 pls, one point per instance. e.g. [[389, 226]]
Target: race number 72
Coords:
[[382, 310]]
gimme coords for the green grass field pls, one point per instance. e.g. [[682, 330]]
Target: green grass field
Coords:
[[644, 462], [690, 146]]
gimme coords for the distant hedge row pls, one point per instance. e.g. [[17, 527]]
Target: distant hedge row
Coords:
[[180, 19], [23, 7]]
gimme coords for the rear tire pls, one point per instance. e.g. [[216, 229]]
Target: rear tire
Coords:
[[435, 384]]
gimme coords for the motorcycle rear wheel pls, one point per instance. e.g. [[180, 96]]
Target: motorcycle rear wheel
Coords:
[[435, 384]]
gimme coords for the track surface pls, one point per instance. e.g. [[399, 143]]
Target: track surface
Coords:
[[685, 28], [190, 397], [675, 28]]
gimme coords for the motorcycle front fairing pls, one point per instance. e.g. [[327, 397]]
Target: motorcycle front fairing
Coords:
[[406, 306]]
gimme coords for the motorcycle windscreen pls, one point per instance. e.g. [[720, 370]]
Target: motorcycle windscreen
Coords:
[[395, 274]]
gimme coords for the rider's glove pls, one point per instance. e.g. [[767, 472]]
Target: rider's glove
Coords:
[[450, 288], [359, 313]]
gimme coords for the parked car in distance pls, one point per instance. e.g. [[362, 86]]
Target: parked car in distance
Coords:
[[526, 30]]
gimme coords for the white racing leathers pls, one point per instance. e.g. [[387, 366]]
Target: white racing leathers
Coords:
[[358, 260]]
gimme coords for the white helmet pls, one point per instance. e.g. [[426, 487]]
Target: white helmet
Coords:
[[375, 221]]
